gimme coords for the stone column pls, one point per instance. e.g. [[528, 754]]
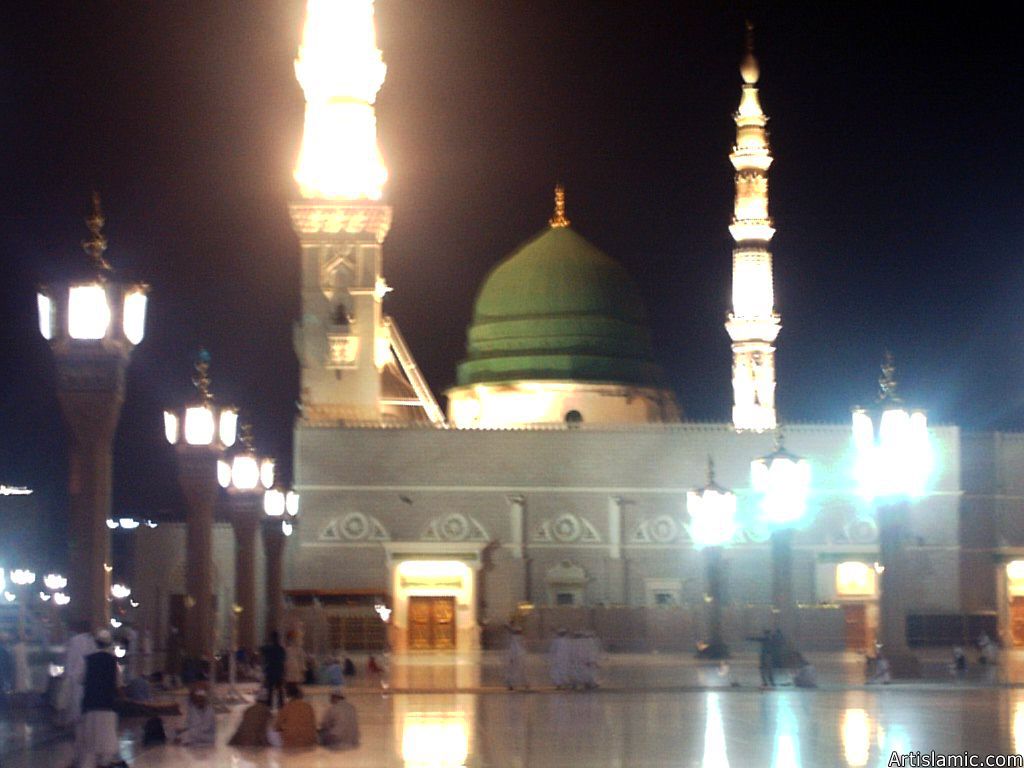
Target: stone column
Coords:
[[617, 576], [197, 475], [892, 608], [520, 564], [273, 547], [90, 389], [715, 574], [246, 512], [782, 582]]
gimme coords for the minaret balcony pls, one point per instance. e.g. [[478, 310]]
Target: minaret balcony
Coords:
[[752, 229]]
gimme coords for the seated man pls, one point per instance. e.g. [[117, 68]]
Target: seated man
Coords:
[[340, 726], [296, 720], [200, 724], [252, 731]]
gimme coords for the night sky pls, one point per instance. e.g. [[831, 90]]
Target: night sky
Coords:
[[896, 130]]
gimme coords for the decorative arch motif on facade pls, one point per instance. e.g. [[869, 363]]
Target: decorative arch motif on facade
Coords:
[[567, 528], [354, 526], [454, 527], [659, 529]]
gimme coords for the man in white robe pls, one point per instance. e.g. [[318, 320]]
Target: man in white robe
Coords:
[[81, 644], [340, 724], [558, 660], [515, 660]]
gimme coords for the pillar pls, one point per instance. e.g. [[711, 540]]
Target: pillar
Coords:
[[782, 582], [617, 576], [245, 520], [90, 390], [892, 598], [273, 548], [197, 475], [714, 566]]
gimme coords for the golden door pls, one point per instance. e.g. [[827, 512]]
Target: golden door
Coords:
[[431, 623], [856, 627], [1017, 620]]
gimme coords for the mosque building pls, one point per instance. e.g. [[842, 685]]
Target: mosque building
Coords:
[[553, 489]]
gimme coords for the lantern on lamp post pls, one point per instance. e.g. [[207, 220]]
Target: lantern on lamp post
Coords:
[[246, 477], [783, 481], [893, 466], [92, 324], [712, 511], [281, 511], [200, 431]]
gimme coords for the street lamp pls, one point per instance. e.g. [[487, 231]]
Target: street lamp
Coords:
[[783, 481], [712, 526], [893, 466], [92, 324], [200, 431], [245, 477], [281, 510]]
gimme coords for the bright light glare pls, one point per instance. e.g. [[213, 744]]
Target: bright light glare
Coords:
[[855, 578], [44, 596], [119, 652], [438, 740], [856, 735], [291, 503], [900, 461], [119, 591], [1018, 727], [712, 517], [54, 581], [714, 735], [340, 70], [170, 427], [60, 598], [199, 425], [88, 312], [273, 503], [784, 484], [56, 670], [45, 315], [228, 426], [112, 524], [245, 472], [22, 577], [787, 742], [267, 473], [1014, 570], [135, 316], [115, 623], [287, 528], [129, 523], [9, 597]]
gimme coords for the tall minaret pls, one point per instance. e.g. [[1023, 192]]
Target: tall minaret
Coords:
[[342, 340], [753, 324]]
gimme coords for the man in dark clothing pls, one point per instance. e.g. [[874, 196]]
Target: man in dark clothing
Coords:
[[99, 746], [273, 669], [766, 659]]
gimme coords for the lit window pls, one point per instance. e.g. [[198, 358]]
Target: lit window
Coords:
[[88, 312], [855, 578]]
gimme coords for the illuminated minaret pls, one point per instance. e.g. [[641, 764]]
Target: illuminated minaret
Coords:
[[753, 324], [354, 365]]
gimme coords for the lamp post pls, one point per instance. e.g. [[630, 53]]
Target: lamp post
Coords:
[[712, 526], [784, 481], [92, 325], [200, 431], [281, 508], [892, 468], [246, 477]]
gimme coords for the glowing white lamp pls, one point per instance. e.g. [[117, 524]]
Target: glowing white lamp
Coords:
[[60, 598], [22, 577], [100, 308], [203, 423], [120, 591], [893, 447], [9, 596], [128, 523], [274, 502], [291, 503], [267, 473], [54, 582], [783, 481], [712, 511]]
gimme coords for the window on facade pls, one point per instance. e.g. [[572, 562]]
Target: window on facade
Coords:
[[664, 598], [565, 598]]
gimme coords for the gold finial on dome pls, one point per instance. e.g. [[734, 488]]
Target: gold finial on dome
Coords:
[[96, 245], [558, 220], [749, 69]]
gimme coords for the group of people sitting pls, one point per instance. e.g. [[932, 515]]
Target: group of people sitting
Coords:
[[294, 726]]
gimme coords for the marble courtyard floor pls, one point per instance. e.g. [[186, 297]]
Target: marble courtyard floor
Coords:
[[650, 711]]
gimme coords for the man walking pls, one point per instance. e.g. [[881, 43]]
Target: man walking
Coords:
[[99, 745], [273, 669]]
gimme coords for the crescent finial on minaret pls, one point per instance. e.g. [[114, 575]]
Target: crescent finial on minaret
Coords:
[[558, 219], [748, 68], [96, 245]]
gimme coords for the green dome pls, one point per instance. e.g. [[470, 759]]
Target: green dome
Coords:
[[559, 309]]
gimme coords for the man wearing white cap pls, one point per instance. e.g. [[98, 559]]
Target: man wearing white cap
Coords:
[[340, 725], [99, 746]]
